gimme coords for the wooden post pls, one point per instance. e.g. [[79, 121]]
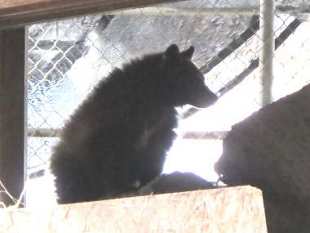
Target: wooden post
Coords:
[[12, 112]]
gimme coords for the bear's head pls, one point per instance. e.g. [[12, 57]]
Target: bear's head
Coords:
[[184, 82]]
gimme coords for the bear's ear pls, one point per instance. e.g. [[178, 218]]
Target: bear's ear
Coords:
[[172, 51], [188, 54]]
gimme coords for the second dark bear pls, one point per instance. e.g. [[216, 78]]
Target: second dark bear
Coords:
[[117, 139]]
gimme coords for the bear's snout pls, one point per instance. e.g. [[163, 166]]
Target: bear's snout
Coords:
[[204, 99]]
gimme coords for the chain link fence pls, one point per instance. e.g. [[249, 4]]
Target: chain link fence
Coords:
[[65, 60]]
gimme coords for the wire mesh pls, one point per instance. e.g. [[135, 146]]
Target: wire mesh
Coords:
[[67, 58]]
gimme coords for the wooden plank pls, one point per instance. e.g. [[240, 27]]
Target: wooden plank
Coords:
[[20, 12], [229, 210], [12, 115]]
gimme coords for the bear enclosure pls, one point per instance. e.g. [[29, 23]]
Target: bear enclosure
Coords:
[[251, 52]]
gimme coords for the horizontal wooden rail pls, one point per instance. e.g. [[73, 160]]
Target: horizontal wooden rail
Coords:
[[229, 210], [21, 12]]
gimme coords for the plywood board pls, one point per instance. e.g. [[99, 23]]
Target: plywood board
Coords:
[[225, 210]]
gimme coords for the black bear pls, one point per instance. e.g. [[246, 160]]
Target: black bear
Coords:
[[116, 141], [176, 182]]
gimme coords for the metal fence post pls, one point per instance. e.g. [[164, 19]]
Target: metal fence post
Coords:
[[267, 9]]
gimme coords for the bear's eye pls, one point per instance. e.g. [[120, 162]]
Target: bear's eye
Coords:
[[192, 72]]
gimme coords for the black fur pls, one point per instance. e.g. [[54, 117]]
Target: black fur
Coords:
[[117, 139]]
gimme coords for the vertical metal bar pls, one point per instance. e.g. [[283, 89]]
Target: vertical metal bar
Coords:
[[267, 9], [26, 77]]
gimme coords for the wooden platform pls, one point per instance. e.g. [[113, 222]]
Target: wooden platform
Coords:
[[225, 210]]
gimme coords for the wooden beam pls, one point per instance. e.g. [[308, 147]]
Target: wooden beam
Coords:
[[229, 210], [21, 12], [12, 115]]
